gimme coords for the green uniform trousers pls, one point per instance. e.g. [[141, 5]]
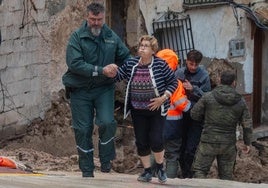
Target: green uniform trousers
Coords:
[[87, 105]]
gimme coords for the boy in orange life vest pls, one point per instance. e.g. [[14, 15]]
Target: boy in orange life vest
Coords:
[[172, 129]]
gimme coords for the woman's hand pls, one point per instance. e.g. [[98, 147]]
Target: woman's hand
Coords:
[[157, 102]]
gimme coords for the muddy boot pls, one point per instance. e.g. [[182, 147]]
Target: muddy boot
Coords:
[[172, 169]]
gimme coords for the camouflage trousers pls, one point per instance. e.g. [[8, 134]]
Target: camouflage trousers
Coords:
[[206, 153]]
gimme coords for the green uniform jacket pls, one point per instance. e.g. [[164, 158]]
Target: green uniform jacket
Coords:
[[222, 110], [87, 54]]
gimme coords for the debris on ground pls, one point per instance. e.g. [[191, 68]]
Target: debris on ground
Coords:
[[50, 146]]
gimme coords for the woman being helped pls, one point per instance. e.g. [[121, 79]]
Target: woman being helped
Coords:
[[150, 84]]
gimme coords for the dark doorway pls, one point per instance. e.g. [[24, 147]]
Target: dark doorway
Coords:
[[118, 18], [257, 77]]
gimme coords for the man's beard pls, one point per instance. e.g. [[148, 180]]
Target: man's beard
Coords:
[[95, 31]]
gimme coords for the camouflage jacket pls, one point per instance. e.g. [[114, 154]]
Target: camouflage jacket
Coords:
[[222, 110]]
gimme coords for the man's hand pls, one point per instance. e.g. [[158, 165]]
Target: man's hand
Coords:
[[187, 85], [246, 149], [110, 70]]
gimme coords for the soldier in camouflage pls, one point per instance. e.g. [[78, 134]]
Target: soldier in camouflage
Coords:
[[222, 110]]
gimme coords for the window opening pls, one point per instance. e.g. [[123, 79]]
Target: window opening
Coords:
[[174, 32]]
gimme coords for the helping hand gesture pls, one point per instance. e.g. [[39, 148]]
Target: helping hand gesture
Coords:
[[110, 70]]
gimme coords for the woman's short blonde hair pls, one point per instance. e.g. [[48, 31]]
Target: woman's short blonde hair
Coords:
[[153, 41]]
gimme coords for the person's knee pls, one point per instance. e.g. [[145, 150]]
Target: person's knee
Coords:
[[106, 123], [144, 151], [108, 126], [157, 147], [83, 137]]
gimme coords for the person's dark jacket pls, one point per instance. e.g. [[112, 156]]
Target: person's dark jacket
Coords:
[[222, 110], [85, 51], [200, 81]]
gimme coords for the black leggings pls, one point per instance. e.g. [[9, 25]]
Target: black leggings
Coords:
[[148, 128]]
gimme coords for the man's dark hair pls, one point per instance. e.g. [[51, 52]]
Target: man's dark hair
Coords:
[[228, 77], [95, 8], [195, 55]]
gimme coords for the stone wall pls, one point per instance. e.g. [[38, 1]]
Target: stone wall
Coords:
[[34, 34]]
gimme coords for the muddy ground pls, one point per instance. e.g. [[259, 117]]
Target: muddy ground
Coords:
[[49, 145]]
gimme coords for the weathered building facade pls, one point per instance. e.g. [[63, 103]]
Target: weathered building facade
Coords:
[[34, 34]]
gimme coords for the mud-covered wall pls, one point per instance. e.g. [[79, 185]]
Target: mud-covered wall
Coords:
[[34, 35], [32, 57]]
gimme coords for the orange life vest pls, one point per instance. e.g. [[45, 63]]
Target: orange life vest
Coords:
[[178, 103], [178, 100]]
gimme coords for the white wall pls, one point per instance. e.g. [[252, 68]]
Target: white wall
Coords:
[[212, 28]]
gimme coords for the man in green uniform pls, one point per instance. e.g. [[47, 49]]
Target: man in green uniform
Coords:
[[91, 51], [222, 110]]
